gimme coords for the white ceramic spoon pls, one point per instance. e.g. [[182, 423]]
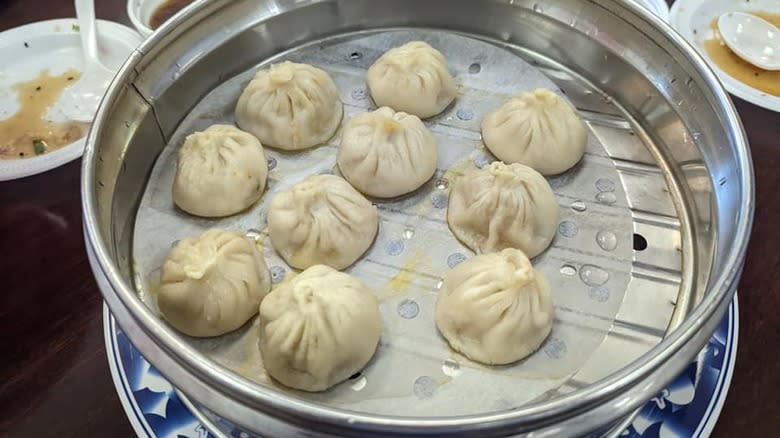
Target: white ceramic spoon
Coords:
[[752, 38], [80, 101]]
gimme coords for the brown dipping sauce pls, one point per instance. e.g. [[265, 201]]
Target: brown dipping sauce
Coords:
[[739, 69], [28, 133], [167, 10]]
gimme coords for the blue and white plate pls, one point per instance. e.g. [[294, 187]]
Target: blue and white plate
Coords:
[[688, 407]]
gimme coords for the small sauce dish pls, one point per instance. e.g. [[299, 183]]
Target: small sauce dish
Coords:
[[147, 15]]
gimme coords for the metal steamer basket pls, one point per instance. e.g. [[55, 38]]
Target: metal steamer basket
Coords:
[[654, 220]]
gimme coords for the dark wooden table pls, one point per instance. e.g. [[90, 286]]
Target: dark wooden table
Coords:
[[54, 377]]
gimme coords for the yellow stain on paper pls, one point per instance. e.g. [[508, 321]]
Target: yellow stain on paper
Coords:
[[403, 280], [459, 169], [260, 241]]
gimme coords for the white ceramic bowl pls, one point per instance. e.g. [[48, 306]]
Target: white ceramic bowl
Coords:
[[140, 13]]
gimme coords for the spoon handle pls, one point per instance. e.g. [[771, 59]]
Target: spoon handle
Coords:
[[85, 14]]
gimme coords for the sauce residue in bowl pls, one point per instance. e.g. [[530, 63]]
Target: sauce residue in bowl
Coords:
[[28, 133], [167, 10], [739, 69]]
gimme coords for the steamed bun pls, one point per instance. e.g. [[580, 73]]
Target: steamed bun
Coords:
[[386, 153], [538, 129], [212, 284], [219, 172], [495, 308], [290, 106], [503, 206], [322, 220], [318, 329], [413, 78]]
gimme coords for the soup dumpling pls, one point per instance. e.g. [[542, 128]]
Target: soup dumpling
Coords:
[[219, 172], [212, 284], [412, 78], [503, 206], [495, 308], [290, 106], [318, 329], [386, 153], [538, 129], [322, 220]]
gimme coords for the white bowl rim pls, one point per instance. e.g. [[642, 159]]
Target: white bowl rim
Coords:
[[133, 12]]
